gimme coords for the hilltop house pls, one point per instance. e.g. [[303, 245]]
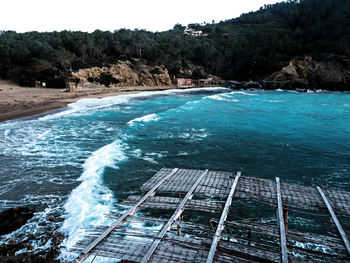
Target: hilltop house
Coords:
[[193, 33]]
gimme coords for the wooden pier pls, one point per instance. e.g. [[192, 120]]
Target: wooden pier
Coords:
[[136, 237]]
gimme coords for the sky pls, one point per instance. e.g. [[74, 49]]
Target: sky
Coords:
[[90, 15]]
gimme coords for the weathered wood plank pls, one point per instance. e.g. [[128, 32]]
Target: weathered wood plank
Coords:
[[218, 185], [335, 220], [223, 217], [283, 239], [333, 243], [118, 222], [175, 216], [165, 202], [256, 189]]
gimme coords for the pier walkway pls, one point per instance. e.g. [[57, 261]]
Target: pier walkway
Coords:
[[160, 232]]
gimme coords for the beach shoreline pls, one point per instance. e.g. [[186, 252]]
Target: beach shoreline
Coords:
[[19, 102]]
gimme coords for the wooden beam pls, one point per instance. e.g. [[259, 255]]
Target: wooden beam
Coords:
[[285, 216], [175, 216], [283, 239], [335, 220], [86, 252], [223, 217]]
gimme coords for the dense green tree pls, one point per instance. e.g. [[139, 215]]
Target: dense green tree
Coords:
[[248, 47]]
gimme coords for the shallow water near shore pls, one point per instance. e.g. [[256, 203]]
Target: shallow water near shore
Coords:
[[83, 161]]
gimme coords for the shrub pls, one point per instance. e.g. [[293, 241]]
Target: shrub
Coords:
[[106, 79]]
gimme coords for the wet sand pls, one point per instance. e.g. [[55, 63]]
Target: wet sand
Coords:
[[18, 102]]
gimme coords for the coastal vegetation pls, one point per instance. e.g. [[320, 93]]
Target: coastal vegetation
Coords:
[[249, 47]]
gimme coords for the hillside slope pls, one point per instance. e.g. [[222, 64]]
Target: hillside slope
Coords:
[[252, 46]]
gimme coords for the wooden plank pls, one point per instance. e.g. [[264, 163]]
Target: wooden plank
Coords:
[[255, 189], [175, 216], [283, 239], [165, 202], [223, 217], [119, 221], [335, 220]]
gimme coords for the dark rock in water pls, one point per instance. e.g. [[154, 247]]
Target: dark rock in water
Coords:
[[13, 219], [37, 258], [57, 239], [8, 252], [243, 84], [272, 85], [51, 218], [251, 85], [233, 84]]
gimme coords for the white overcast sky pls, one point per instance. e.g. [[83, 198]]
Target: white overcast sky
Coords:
[[89, 15]]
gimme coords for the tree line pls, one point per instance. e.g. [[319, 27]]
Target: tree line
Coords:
[[251, 46]]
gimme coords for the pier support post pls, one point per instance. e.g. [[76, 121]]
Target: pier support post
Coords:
[[281, 223], [285, 217]]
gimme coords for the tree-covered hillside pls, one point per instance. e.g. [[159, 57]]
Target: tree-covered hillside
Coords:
[[249, 47]]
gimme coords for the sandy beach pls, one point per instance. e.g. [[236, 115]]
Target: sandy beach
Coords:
[[18, 102]]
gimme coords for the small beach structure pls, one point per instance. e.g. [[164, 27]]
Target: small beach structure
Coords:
[[184, 83], [210, 82], [181, 194]]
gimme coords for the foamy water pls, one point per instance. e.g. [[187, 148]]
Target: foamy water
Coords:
[[82, 161]]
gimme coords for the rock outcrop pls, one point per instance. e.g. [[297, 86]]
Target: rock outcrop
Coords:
[[13, 219], [19, 247], [329, 72], [123, 73]]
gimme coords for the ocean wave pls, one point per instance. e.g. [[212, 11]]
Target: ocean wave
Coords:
[[317, 91], [146, 118], [274, 101], [150, 160], [82, 105], [192, 135], [222, 97], [7, 133], [243, 93], [150, 157], [90, 202]]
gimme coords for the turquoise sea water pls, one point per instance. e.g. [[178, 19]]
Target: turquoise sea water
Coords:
[[82, 161]]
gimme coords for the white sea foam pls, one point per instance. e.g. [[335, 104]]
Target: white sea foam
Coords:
[[83, 105], [150, 159], [217, 97], [192, 135], [7, 133], [146, 118], [88, 204], [137, 153], [223, 97], [243, 93], [274, 101]]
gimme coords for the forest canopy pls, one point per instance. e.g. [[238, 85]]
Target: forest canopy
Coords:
[[251, 46]]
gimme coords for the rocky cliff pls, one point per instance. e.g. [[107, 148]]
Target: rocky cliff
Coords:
[[123, 73], [328, 72]]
